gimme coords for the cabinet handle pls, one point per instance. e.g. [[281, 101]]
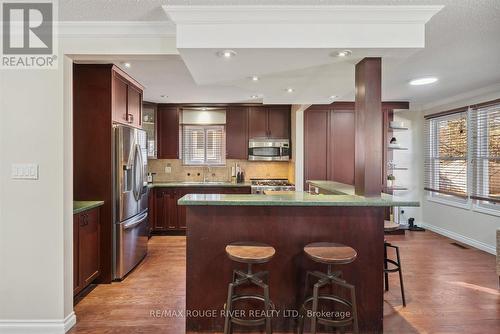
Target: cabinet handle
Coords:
[[130, 118]]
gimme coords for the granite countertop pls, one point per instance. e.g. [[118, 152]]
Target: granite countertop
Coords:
[[80, 206], [293, 199], [174, 184]]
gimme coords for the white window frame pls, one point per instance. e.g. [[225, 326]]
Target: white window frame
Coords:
[[482, 205], [433, 196], [205, 162]]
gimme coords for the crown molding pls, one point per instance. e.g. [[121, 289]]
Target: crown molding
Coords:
[[115, 29], [185, 14]]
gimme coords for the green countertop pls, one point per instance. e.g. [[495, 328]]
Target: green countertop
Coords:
[[293, 199], [80, 206], [175, 184]]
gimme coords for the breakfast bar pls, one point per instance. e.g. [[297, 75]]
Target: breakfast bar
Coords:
[[287, 222]]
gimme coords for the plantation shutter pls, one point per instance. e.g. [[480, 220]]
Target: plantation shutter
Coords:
[[446, 159], [203, 145], [485, 155]]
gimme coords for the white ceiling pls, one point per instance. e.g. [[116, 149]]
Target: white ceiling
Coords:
[[462, 50]]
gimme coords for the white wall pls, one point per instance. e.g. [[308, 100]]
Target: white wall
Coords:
[[36, 216], [471, 227]]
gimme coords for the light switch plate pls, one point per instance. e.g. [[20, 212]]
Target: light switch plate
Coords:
[[24, 171], [168, 170]]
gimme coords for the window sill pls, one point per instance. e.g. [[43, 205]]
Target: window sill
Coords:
[[457, 204], [486, 210]]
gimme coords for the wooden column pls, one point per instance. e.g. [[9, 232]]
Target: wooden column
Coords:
[[368, 130]]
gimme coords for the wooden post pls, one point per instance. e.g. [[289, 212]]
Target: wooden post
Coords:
[[368, 130]]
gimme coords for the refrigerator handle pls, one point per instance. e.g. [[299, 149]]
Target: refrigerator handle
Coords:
[[135, 222], [138, 173]]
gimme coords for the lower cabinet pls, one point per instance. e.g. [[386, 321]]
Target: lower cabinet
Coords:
[[168, 216], [86, 256]]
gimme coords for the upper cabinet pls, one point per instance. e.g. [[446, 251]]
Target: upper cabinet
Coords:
[[127, 99], [167, 120], [149, 125], [269, 121], [237, 132]]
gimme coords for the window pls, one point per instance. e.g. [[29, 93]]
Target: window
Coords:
[[485, 155], [446, 157], [203, 144]]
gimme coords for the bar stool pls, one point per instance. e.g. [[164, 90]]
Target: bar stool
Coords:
[[329, 254], [249, 253], [395, 264]]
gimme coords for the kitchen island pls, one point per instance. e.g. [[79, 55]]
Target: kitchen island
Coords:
[[286, 222]]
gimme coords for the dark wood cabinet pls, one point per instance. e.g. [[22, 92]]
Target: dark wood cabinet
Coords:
[[86, 249], [269, 121], [151, 210], [168, 132], [237, 132], [329, 144], [172, 217], [258, 122], [316, 134], [127, 99], [134, 106], [102, 95], [279, 121], [329, 138]]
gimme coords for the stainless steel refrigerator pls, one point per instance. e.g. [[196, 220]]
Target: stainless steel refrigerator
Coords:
[[130, 198]]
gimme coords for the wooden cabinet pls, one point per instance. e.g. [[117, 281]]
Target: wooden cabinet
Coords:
[[329, 145], [168, 132], [269, 121], [257, 122], [134, 106], [127, 99], [172, 217], [237, 133], [279, 121], [86, 249], [151, 210], [166, 210]]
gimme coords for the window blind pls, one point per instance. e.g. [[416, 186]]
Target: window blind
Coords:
[[203, 145], [445, 162], [485, 155]]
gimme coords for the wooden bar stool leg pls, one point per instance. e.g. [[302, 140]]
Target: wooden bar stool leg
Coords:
[[400, 277]]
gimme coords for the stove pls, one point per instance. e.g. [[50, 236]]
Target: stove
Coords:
[[261, 185]]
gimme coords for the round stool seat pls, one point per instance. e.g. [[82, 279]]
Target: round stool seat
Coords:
[[250, 252], [330, 253], [390, 226]]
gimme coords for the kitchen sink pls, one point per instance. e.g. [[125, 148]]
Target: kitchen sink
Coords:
[[204, 182]]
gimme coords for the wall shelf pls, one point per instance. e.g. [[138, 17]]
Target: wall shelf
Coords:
[[395, 188], [397, 148], [398, 168]]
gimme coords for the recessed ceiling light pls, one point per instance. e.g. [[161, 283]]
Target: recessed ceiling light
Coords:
[[254, 96], [226, 54], [332, 97], [423, 81], [255, 78], [343, 53], [164, 96], [289, 90], [127, 65]]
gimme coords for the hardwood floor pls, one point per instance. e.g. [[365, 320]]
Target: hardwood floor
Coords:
[[448, 290]]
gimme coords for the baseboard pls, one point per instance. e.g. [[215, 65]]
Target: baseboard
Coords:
[[463, 239], [27, 326]]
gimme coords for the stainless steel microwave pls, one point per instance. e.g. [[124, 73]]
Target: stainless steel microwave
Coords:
[[263, 149]]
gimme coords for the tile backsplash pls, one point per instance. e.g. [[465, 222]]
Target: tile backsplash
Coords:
[[252, 170]]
